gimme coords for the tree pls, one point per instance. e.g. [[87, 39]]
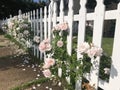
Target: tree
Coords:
[[8, 7]]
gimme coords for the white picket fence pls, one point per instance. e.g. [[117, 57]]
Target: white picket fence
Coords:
[[43, 21]]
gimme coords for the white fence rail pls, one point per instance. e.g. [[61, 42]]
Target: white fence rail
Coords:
[[43, 23]]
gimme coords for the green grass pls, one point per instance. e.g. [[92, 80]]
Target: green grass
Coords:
[[107, 45], [28, 84]]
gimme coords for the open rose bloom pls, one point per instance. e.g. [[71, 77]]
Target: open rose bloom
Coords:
[[83, 48], [94, 52], [46, 66], [48, 62], [60, 43], [47, 73], [61, 26], [45, 45], [36, 39], [90, 50], [64, 26]]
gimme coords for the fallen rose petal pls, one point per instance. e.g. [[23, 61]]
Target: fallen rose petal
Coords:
[[24, 69], [23, 65], [46, 87], [50, 88], [38, 85], [38, 75], [28, 66], [33, 87], [34, 70], [59, 84], [37, 78]]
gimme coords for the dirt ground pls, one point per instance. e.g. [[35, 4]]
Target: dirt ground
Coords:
[[12, 70]]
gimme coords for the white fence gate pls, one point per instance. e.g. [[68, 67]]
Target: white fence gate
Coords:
[[43, 23]]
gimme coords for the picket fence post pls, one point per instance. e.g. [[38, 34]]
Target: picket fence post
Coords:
[[82, 23], [45, 22], [55, 14], [97, 39], [31, 21], [61, 11], [29, 17], [50, 15], [115, 67], [37, 29], [34, 30], [19, 14], [81, 34], [41, 29], [70, 23]]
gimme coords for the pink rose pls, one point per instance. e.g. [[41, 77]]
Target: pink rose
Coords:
[[61, 26], [48, 47], [57, 27], [83, 47], [91, 52], [94, 51], [46, 41], [60, 43], [42, 47], [99, 52], [64, 26], [45, 45], [46, 66], [47, 73], [50, 61]]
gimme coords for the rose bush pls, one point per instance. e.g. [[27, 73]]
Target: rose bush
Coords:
[[20, 29], [59, 63]]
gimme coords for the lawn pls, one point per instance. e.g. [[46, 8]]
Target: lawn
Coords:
[[107, 45]]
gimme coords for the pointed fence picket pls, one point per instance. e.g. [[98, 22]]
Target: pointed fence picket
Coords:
[[115, 67], [42, 25], [82, 21], [50, 23], [70, 23], [41, 29], [45, 23], [61, 12], [37, 28], [97, 39], [55, 14]]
